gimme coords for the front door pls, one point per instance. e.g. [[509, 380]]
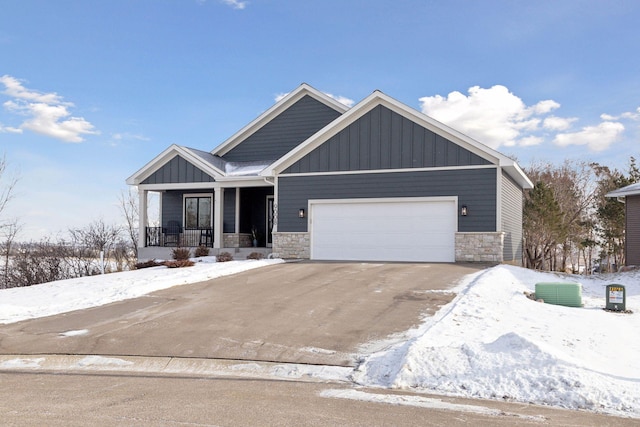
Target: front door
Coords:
[[269, 220]]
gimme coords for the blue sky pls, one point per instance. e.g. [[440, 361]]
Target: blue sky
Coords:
[[90, 91]]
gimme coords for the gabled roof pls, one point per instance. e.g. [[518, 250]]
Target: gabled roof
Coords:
[[207, 162], [280, 106], [213, 165], [379, 98], [629, 190]]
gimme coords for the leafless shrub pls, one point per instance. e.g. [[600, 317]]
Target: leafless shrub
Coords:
[[36, 263], [201, 251], [255, 255], [181, 254], [147, 264], [179, 263], [224, 257]]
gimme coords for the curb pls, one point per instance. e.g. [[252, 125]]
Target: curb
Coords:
[[175, 366]]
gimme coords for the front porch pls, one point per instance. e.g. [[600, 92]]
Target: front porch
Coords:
[[225, 219]]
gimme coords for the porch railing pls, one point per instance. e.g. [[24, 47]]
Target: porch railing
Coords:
[[178, 236]]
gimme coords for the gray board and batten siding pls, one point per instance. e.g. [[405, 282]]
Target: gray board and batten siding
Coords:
[[632, 232], [284, 132], [229, 211], [178, 171], [511, 219], [384, 139], [475, 188]]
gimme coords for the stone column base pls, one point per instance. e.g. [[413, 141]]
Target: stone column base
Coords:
[[480, 247], [291, 245], [237, 240]]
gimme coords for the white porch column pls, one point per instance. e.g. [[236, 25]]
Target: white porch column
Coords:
[[142, 217], [218, 217], [237, 230]]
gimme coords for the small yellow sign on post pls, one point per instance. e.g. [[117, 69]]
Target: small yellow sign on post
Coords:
[[616, 297]]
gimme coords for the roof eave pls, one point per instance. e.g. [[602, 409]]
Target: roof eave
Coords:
[[161, 159]]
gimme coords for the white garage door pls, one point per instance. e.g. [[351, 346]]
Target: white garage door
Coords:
[[384, 230]]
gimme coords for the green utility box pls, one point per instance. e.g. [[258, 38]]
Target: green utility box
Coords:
[[567, 294], [616, 297]]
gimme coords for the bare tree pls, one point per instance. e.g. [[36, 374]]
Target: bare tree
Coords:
[[129, 206], [97, 239], [9, 232], [564, 211], [7, 184], [8, 227]]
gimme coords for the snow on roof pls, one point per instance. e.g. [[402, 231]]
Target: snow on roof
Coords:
[[231, 168], [245, 168]]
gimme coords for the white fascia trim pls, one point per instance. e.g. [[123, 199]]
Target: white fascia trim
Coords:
[[205, 185], [274, 111], [185, 186], [379, 98], [385, 200], [376, 171], [164, 157], [623, 193], [239, 182]]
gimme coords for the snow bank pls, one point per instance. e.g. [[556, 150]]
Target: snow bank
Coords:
[[493, 342], [47, 299]]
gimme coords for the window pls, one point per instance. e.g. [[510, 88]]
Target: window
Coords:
[[197, 211]]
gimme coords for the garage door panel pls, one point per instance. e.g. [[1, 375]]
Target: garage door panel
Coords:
[[384, 231]]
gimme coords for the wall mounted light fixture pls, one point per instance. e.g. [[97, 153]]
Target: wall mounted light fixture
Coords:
[[301, 213], [463, 210]]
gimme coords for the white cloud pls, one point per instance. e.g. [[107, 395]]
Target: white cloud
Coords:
[[530, 141], [47, 114], [16, 90], [558, 123], [635, 115], [493, 116], [236, 4], [9, 129], [596, 138], [544, 107], [280, 96], [342, 99], [129, 136]]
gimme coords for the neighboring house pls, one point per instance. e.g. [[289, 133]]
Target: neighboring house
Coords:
[[315, 179], [630, 195]]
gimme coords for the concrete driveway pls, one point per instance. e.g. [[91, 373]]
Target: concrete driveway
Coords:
[[304, 312]]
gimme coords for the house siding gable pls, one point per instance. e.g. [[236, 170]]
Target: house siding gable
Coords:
[[475, 188], [511, 219], [284, 132], [178, 171], [384, 139], [632, 232]]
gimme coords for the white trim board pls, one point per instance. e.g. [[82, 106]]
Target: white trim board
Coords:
[[378, 171]]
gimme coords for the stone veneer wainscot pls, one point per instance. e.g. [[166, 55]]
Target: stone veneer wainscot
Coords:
[[480, 247], [291, 245]]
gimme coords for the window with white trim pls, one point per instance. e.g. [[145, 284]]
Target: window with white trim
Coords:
[[198, 211]]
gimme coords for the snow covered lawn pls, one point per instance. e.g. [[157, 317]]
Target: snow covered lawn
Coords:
[[493, 342], [18, 304], [489, 342]]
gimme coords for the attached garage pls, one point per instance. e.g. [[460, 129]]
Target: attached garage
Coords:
[[394, 229]]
